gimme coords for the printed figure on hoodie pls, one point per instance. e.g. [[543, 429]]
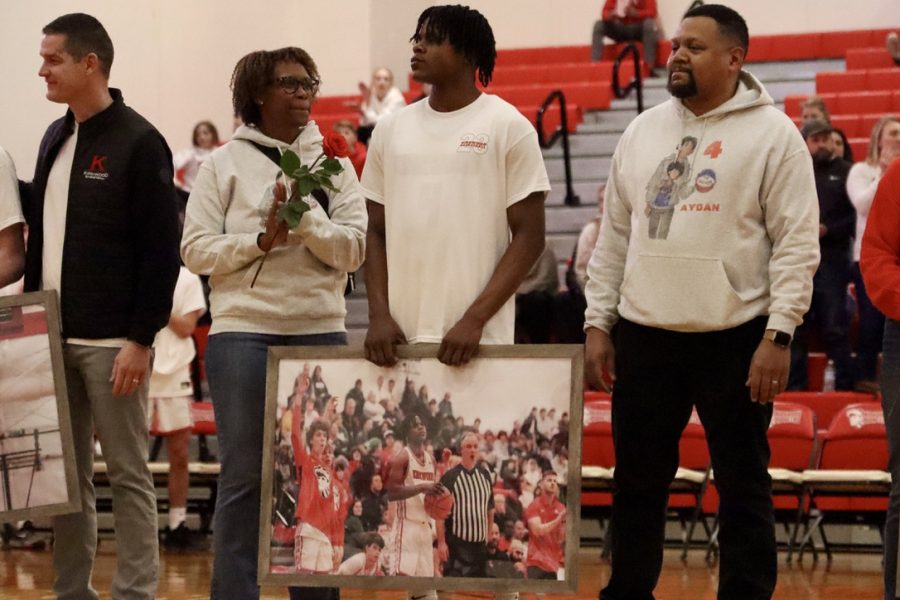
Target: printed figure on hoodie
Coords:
[[669, 185]]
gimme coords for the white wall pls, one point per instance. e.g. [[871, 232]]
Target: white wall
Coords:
[[174, 57]]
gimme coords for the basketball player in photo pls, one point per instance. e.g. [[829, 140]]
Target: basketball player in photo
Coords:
[[412, 477], [367, 562], [546, 518]]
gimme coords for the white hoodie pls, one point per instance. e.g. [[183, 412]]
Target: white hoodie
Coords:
[[300, 290], [739, 215]]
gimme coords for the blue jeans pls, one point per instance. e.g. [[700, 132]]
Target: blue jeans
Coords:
[[890, 403], [828, 312], [236, 369]]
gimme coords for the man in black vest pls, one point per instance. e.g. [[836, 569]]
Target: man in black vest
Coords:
[[103, 233]]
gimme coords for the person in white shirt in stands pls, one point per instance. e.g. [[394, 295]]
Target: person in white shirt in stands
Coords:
[[204, 140], [12, 244], [862, 181], [378, 101], [455, 187], [170, 397]]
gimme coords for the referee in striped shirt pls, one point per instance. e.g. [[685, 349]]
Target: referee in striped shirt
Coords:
[[463, 537]]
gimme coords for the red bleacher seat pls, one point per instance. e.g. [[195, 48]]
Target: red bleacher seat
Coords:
[[869, 58], [552, 74], [862, 80], [528, 56], [825, 404], [201, 336], [592, 95], [552, 117], [859, 146], [204, 419]]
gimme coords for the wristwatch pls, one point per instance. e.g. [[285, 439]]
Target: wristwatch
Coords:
[[779, 338]]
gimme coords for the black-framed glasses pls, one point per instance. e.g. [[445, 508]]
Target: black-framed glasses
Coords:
[[290, 84]]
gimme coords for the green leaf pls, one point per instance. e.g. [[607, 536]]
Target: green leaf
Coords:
[[330, 186], [332, 166], [300, 172], [306, 186], [290, 162], [292, 212]]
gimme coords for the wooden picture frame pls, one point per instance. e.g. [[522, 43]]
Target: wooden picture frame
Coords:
[[502, 387], [37, 460]]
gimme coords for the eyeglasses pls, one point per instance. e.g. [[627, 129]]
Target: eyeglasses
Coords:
[[290, 84]]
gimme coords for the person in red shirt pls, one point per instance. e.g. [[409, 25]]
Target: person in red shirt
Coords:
[[358, 150], [625, 21], [880, 265], [317, 505], [546, 518]]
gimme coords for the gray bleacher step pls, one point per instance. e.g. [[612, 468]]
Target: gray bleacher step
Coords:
[[357, 311], [606, 121], [585, 190], [562, 244], [583, 169], [798, 70], [568, 219], [587, 144]]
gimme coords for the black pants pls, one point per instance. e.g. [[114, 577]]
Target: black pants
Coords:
[[467, 559], [644, 32], [660, 375]]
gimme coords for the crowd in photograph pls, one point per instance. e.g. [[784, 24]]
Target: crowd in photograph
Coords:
[[343, 448]]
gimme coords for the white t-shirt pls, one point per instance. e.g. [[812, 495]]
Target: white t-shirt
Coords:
[[173, 354], [56, 205], [446, 181], [10, 208]]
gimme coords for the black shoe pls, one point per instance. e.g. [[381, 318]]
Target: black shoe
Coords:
[[182, 539]]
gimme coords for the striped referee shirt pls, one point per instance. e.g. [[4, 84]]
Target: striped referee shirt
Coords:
[[472, 499]]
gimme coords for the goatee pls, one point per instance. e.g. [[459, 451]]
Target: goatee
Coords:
[[682, 90]]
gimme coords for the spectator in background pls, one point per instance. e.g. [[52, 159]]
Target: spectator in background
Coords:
[[170, 397], [204, 140], [837, 226], [892, 43], [625, 21], [587, 240], [378, 101], [445, 407], [12, 242], [535, 298], [373, 503], [862, 182], [880, 263], [842, 147], [357, 149], [546, 517], [814, 109]]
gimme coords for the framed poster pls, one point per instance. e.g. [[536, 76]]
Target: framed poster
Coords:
[[422, 476], [37, 464]]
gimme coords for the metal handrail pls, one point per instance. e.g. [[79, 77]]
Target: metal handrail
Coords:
[[571, 198], [635, 84]]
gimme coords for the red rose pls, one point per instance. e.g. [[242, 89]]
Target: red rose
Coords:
[[335, 145]]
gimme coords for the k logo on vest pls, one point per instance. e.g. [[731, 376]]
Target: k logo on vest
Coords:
[[97, 170]]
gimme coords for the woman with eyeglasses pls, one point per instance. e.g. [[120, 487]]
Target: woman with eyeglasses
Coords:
[[297, 300]]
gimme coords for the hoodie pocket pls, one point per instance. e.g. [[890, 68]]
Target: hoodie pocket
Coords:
[[680, 293]]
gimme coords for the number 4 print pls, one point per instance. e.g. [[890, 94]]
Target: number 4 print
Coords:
[[713, 150]]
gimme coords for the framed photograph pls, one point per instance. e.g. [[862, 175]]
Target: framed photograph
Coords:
[[37, 464], [422, 476]]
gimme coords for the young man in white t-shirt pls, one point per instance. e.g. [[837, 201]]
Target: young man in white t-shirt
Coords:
[[170, 396], [455, 187], [12, 244]]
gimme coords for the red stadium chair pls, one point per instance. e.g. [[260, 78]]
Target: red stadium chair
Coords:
[[841, 81], [792, 441], [869, 58], [598, 458], [851, 480]]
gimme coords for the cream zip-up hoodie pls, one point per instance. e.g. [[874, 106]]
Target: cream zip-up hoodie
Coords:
[[709, 221], [301, 287]]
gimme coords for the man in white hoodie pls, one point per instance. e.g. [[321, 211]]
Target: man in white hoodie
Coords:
[[704, 314]]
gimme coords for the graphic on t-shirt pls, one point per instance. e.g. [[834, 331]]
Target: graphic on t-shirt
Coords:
[[669, 185], [706, 180], [471, 142]]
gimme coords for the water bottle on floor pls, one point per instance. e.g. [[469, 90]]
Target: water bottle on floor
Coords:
[[828, 379]]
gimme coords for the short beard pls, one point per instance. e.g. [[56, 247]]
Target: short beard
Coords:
[[682, 90]]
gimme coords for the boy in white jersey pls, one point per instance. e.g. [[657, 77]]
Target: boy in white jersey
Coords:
[[455, 187], [412, 477]]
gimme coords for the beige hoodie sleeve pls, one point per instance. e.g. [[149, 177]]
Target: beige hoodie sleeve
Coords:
[[338, 241], [606, 267], [205, 247], [791, 209]]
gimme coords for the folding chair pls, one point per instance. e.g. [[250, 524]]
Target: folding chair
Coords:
[[792, 442], [851, 478]]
